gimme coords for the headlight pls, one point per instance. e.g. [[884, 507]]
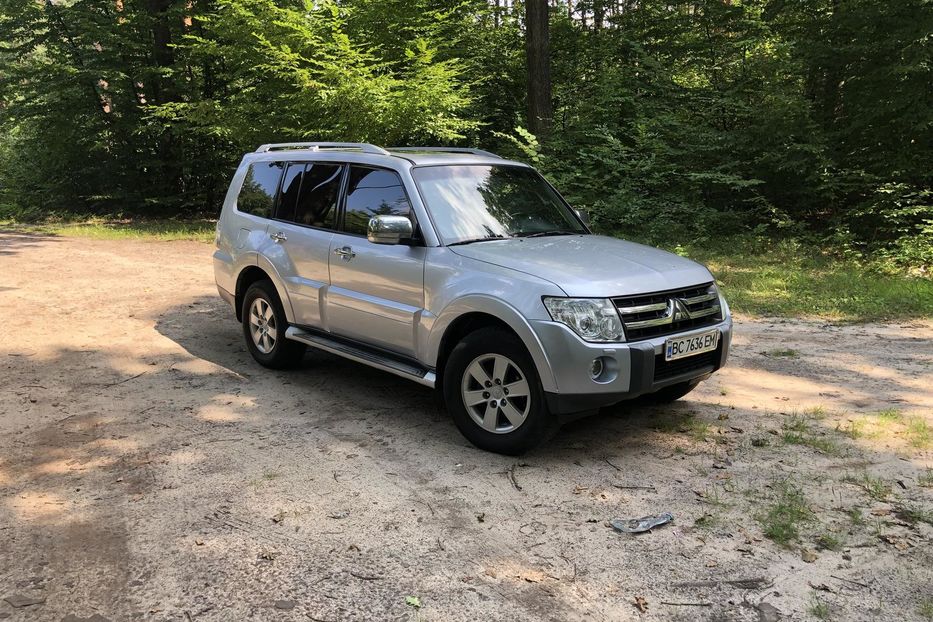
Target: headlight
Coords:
[[723, 305], [594, 319]]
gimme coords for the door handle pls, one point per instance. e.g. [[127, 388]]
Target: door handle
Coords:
[[278, 237], [346, 253]]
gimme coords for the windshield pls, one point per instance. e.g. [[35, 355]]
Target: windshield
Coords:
[[477, 202]]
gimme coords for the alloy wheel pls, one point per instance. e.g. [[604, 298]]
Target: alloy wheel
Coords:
[[495, 393], [262, 325]]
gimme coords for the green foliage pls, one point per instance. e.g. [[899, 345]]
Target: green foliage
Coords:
[[676, 122]]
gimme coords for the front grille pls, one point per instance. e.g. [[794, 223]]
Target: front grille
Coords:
[[666, 313], [668, 369]]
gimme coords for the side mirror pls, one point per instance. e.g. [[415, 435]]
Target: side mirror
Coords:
[[388, 229], [584, 216]]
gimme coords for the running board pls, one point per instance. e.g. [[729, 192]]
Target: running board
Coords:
[[378, 360]]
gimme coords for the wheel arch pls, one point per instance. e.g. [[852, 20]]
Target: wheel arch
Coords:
[[253, 273], [474, 312]]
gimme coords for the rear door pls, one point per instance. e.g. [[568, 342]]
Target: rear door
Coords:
[[305, 220], [377, 290]]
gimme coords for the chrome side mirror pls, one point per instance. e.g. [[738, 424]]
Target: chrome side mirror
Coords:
[[584, 216], [388, 229]]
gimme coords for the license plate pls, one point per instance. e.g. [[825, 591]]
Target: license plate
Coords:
[[680, 347]]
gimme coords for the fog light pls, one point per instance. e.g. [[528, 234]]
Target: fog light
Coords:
[[596, 368], [604, 369]]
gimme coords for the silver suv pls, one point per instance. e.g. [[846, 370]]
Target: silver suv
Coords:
[[464, 272]]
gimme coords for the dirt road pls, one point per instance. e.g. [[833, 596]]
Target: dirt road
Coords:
[[150, 470]]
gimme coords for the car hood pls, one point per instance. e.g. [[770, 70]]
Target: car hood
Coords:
[[591, 265]]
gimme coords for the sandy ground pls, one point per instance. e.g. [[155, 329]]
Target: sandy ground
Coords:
[[150, 470]]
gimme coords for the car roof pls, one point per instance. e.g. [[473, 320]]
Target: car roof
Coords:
[[422, 158], [365, 153]]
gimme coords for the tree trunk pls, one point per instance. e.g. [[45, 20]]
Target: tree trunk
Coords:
[[537, 50], [162, 51]]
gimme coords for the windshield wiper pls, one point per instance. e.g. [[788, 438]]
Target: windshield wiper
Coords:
[[471, 240], [541, 234]]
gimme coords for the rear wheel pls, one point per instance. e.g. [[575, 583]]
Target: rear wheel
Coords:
[[673, 392], [492, 390], [264, 326]]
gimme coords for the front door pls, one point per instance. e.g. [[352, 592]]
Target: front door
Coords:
[[377, 290]]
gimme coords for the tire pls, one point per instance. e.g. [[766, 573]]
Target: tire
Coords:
[[493, 421], [673, 392], [263, 315]]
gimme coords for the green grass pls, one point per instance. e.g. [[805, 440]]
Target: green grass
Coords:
[[784, 517], [855, 516], [853, 429], [872, 486], [919, 434], [829, 542], [913, 514], [797, 431], [926, 609], [121, 229], [819, 609], [890, 415], [925, 479], [785, 278]]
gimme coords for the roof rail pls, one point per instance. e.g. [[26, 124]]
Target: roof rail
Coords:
[[479, 152], [364, 147]]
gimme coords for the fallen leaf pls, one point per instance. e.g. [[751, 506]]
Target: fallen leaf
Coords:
[[899, 543], [413, 601], [641, 604]]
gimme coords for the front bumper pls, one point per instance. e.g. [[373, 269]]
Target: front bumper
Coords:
[[635, 368]]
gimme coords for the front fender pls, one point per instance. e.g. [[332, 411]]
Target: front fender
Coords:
[[497, 308]]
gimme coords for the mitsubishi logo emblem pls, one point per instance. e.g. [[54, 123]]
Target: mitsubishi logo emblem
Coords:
[[677, 310]]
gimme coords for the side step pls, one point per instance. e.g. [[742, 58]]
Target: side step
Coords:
[[378, 360]]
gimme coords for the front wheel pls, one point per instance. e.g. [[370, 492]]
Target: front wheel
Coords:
[[492, 390]]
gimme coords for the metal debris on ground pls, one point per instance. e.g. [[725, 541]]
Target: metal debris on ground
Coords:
[[639, 525], [19, 600]]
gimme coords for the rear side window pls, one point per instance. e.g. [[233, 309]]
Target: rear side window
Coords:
[[288, 195], [372, 192], [257, 195], [317, 201]]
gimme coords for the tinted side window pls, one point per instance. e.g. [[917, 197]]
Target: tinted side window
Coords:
[[373, 192], [288, 195], [317, 201], [258, 192]]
